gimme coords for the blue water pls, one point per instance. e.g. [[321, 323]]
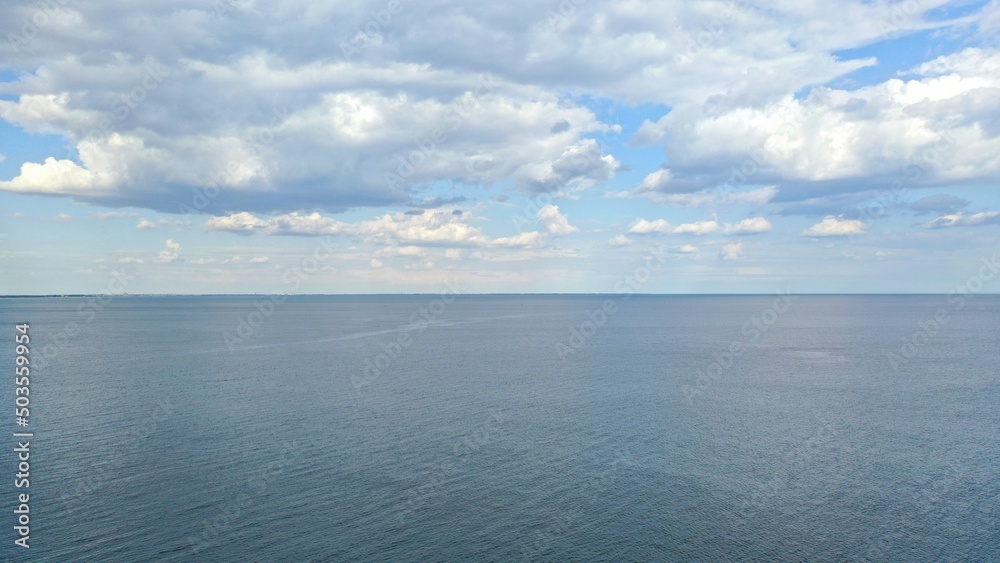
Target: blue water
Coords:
[[497, 434]]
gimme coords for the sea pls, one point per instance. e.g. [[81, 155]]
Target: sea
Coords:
[[506, 428]]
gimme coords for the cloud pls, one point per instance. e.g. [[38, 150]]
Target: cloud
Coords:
[[688, 249], [554, 222], [106, 215], [432, 228], [938, 203], [757, 198], [171, 253], [732, 251], [832, 226], [753, 225], [936, 128], [962, 220], [145, 225], [707, 198], [242, 223], [619, 240], [264, 104], [402, 252], [528, 239], [239, 260], [61, 218], [697, 228], [357, 137], [658, 181], [130, 260], [642, 226]]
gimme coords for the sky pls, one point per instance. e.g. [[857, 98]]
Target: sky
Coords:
[[528, 146]]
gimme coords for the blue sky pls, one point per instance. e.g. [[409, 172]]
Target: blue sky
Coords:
[[395, 146]]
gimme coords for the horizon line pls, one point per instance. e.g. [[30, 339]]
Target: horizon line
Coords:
[[580, 294]]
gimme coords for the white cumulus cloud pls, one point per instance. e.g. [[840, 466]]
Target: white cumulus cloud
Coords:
[[732, 251], [171, 253], [832, 226]]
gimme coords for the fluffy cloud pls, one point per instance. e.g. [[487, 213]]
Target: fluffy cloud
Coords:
[[937, 128], [732, 251], [697, 228], [243, 260], [348, 136], [274, 114], [555, 222], [171, 253], [642, 226], [757, 198], [753, 225], [147, 225], [709, 198], [246, 223], [431, 228], [619, 240], [832, 226]]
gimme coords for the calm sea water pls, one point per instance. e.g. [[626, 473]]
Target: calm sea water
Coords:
[[508, 428]]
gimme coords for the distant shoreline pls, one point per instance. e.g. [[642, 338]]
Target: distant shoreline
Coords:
[[65, 295]]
